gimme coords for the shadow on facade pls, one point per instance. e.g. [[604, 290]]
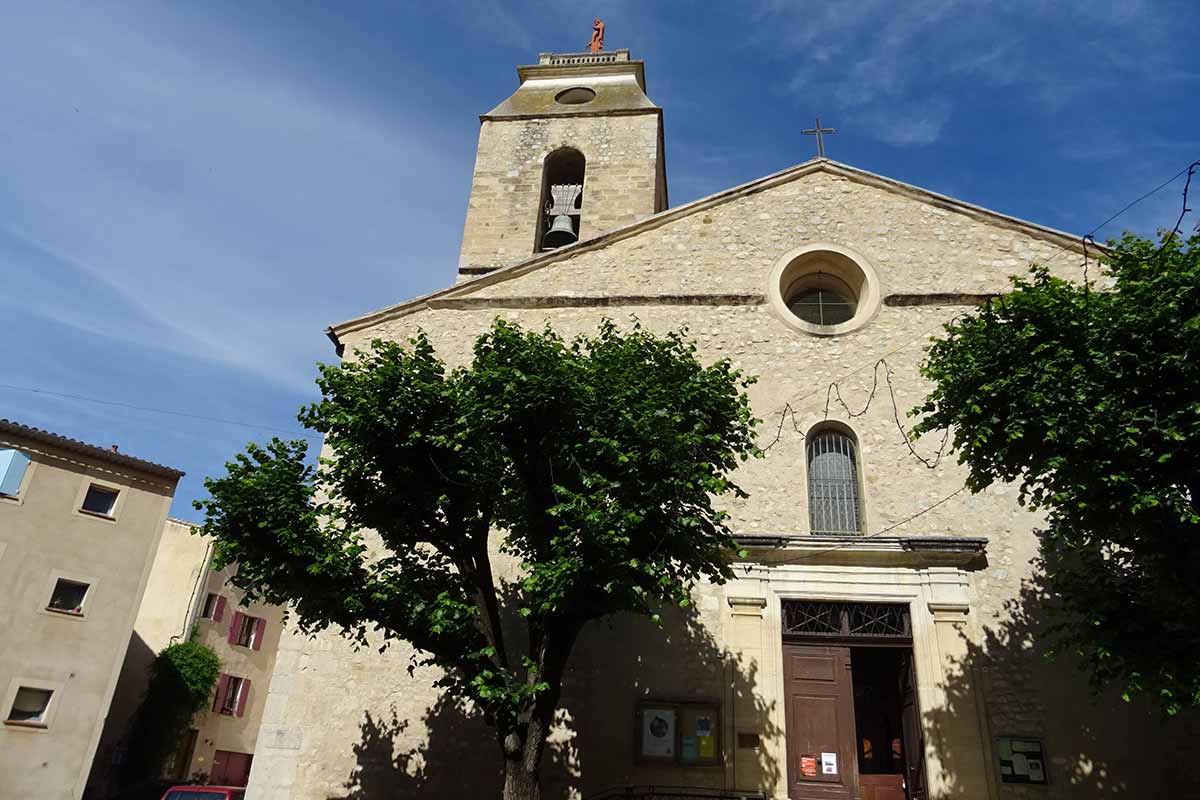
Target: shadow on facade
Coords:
[[458, 757], [1096, 745], [127, 697], [451, 752]]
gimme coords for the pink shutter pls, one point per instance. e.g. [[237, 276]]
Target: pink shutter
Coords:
[[219, 611], [242, 696], [235, 625], [222, 688], [260, 629]]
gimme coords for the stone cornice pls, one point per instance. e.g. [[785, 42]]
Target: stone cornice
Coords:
[[856, 550]]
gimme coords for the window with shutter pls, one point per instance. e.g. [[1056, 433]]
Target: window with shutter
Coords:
[[13, 464]]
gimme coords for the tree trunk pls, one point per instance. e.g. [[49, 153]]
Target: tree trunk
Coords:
[[523, 748], [520, 783]]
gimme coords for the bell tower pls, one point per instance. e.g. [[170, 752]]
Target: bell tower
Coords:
[[575, 151]]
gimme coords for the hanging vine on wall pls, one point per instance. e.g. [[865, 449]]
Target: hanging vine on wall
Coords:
[[181, 682]]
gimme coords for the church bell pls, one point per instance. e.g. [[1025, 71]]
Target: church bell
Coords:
[[559, 210], [560, 233]]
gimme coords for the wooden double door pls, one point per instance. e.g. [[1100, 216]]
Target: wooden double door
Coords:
[[853, 726]]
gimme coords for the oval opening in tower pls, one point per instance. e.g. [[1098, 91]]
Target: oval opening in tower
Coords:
[[576, 95]]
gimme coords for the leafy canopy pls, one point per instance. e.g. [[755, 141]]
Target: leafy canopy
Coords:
[[1091, 401], [590, 465]]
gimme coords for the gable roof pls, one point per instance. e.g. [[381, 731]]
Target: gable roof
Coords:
[[542, 260], [109, 454]]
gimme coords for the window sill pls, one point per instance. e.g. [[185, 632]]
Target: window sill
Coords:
[[17, 723], [97, 514], [65, 613]]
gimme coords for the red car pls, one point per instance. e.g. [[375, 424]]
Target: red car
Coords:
[[205, 793]]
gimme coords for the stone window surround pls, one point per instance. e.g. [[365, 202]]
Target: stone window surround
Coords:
[[10, 694], [789, 268], [88, 600], [87, 483], [844, 429]]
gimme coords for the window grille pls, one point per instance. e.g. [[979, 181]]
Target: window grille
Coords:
[[819, 619], [833, 500]]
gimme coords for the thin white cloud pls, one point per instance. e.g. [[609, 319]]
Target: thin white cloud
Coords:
[[185, 180], [875, 62]]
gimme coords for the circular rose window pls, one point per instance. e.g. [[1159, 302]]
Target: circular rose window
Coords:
[[824, 289], [575, 96]]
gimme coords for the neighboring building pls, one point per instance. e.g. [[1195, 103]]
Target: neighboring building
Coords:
[[881, 639], [246, 638], [177, 584], [186, 600], [79, 526]]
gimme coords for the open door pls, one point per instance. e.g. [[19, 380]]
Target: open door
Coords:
[[910, 721], [819, 714]]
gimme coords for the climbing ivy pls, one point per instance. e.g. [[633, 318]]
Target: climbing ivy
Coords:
[[181, 683]]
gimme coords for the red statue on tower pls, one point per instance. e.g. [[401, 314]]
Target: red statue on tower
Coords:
[[597, 42]]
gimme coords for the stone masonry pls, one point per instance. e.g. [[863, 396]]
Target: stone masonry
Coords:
[[341, 721]]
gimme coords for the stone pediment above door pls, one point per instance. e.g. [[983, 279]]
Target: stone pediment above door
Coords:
[[914, 552]]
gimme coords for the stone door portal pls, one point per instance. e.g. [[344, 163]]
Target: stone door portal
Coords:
[[853, 724]]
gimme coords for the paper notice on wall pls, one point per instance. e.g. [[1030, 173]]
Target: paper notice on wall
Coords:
[[829, 763], [658, 732], [1036, 774], [808, 766], [688, 751]]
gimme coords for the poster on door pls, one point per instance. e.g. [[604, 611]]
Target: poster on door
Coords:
[[808, 766], [829, 763]]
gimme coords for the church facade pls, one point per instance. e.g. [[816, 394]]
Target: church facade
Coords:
[[879, 640]]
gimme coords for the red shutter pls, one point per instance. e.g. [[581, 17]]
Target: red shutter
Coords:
[[219, 611], [222, 688], [260, 629], [235, 624], [242, 696]]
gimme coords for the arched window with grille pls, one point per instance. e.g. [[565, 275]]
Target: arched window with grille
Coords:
[[834, 496], [562, 199]]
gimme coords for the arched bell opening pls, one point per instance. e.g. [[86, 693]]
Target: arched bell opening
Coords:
[[562, 199]]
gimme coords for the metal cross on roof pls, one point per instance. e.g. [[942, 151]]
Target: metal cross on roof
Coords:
[[819, 132]]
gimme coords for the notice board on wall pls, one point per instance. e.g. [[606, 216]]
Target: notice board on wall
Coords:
[[684, 732], [1022, 759]]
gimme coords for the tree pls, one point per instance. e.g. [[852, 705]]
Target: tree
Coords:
[[181, 682], [576, 478], [1090, 399]]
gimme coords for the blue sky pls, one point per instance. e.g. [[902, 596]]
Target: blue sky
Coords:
[[191, 192]]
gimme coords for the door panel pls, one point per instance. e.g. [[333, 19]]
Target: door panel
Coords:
[[819, 711], [882, 787], [910, 722]]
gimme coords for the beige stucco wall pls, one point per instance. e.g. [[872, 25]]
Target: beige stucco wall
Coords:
[[42, 534], [165, 616], [328, 726], [621, 182]]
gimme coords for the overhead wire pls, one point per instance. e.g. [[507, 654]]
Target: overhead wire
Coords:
[[171, 412]]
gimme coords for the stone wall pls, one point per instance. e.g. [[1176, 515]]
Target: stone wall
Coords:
[[620, 182], [328, 729]]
